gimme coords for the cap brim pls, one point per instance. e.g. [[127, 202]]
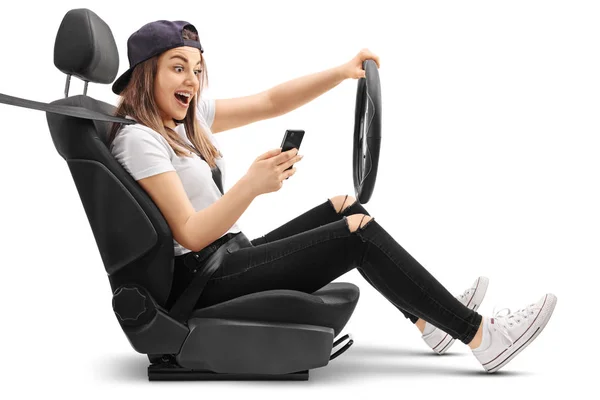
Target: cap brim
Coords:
[[121, 82]]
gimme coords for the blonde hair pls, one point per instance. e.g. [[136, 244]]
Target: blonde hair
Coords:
[[137, 101]]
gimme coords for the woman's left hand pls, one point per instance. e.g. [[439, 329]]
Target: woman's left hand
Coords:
[[353, 68]]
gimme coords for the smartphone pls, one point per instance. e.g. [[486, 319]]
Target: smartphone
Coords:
[[291, 139]]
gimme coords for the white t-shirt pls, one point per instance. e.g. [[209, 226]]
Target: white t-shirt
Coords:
[[143, 153]]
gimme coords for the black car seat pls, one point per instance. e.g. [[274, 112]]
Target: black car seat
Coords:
[[276, 334]]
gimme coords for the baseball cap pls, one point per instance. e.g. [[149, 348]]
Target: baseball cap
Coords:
[[152, 39]]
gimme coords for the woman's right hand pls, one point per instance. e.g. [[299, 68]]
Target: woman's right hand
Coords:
[[268, 171]]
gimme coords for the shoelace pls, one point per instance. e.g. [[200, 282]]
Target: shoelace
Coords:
[[466, 293], [508, 320]]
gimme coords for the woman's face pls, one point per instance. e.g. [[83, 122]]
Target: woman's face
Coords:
[[177, 82]]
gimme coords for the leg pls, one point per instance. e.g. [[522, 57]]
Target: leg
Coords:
[[309, 260], [332, 210], [430, 285]]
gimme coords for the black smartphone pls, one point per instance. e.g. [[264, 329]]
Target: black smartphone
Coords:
[[291, 139]]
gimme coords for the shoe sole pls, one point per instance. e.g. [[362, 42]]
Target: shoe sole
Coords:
[[533, 332], [473, 303]]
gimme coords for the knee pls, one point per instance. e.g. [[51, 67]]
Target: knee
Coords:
[[356, 221], [340, 203]]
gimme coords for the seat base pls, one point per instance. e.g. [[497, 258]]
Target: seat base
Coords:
[[235, 346], [170, 371]]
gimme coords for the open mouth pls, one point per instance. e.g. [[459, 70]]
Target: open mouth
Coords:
[[183, 99]]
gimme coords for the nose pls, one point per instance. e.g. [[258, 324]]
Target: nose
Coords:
[[191, 79]]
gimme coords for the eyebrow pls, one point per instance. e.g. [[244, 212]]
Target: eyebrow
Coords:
[[183, 58]]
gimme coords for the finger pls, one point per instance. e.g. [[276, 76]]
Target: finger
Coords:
[[269, 154], [286, 155], [291, 162], [293, 154], [369, 55], [287, 174]]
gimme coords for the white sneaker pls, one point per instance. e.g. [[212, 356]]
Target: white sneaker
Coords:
[[507, 335], [439, 340]]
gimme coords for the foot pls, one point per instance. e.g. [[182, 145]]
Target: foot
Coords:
[[506, 336], [440, 341]]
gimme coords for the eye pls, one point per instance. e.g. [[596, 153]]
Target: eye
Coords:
[[178, 67], [198, 71]]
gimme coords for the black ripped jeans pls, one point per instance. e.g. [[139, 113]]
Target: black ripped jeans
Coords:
[[315, 248]]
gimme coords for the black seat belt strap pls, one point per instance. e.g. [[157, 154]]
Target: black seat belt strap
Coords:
[[186, 302], [72, 111]]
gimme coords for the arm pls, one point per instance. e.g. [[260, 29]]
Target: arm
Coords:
[[146, 156], [295, 93], [196, 229], [209, 224], [283, 98]]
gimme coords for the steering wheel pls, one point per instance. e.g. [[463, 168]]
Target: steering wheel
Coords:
[[367, 132]]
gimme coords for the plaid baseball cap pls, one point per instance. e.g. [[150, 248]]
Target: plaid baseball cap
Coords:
[[152, 39]]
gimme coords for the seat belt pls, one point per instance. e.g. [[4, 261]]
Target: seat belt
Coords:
[[72, 111], [216, 174], [186, 302], [84, 113]]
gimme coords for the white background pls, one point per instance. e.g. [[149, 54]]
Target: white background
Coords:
[[489, 166]]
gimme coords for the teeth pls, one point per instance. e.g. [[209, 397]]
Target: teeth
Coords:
[[183, 94]]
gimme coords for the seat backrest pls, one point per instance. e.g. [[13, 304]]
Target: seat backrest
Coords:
[[134, 239]]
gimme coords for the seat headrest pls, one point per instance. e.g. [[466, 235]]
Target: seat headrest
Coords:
[[85, 47]]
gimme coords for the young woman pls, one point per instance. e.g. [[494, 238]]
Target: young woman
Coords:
[[173, 154]]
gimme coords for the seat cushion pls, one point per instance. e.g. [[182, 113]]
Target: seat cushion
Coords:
[[330, 306]]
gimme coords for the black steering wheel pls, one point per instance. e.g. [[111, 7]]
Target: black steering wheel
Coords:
[[367, 132]]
